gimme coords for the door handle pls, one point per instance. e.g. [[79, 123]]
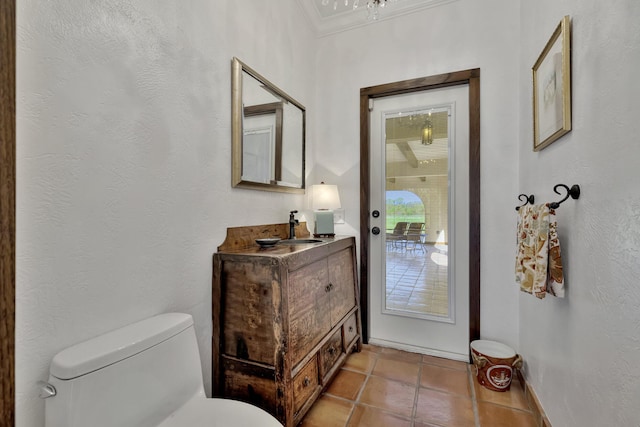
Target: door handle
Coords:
[[375, 230]]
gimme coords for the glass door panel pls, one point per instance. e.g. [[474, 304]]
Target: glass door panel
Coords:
[[416, 212]]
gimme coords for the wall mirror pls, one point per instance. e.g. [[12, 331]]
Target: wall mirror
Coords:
[[268, 134]]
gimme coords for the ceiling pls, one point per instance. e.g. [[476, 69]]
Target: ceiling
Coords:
[[328, 20], [403, 135], [406, 157]]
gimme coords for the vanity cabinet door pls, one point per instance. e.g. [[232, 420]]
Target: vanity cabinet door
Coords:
[[309, 308], [343, 296]]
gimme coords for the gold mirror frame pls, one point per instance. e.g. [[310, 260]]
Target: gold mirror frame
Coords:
[[239, 111]]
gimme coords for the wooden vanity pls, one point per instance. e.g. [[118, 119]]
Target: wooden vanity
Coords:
[[284, 318]]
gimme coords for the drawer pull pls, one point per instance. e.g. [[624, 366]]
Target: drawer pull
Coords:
[[350, 328], [306, 382], [331, 350], [327, 288]]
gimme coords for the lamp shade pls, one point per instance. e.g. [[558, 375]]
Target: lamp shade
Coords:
[[325, 196]]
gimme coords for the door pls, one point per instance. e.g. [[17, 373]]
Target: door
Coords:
[[419, 184]]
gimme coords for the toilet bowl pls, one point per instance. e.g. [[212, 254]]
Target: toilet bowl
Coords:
[[147, 374], [219, 413]]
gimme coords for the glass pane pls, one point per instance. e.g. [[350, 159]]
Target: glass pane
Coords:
[[417, 200]]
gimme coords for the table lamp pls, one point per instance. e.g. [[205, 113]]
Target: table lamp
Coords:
[[324, 198]]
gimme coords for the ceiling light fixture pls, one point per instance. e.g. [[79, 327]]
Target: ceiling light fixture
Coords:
[[373, 6], [427, 133]]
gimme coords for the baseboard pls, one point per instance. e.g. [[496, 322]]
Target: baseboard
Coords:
[[421, 350], [534, 403]]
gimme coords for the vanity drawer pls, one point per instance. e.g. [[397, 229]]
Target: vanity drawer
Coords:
[[304, 384], [350, 329], [330, 352]]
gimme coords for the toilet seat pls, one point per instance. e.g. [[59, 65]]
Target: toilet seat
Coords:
[[219, 413]]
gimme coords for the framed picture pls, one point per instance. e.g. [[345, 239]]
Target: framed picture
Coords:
[[552, 88]]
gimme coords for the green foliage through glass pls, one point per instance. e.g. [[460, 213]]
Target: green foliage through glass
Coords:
[[399, 209]]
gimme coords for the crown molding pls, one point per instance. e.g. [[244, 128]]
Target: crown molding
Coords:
[[344, 19]]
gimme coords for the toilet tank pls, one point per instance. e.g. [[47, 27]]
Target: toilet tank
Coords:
[[133, 376]]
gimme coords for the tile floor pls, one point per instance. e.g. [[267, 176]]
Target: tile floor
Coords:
[[416, 280], [382, 387]]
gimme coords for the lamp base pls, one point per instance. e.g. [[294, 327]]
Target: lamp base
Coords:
[[324, 222]]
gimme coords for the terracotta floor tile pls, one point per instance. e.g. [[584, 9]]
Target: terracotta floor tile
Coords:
[[397, 370], [514, 398], [371, 348], [421, 424], [366, 416], [444, 408], [347, 384], [405, 356], [389, 395], [498, 416], [362, 362], [447, 363], [328, 412], [378, 386], [445, 379]]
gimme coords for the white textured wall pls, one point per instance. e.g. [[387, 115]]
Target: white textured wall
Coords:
[[123, 162], [461, 35], [124, 169], [582, 353]]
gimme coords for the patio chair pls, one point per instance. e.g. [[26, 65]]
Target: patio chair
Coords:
[[414, 235], [398, 237]]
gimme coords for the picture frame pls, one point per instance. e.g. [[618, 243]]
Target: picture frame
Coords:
[[552, 88]]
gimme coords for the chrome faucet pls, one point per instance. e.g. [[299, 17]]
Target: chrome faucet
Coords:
[[292, 224]]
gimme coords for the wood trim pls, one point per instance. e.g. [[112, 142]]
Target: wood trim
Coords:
[[364, 215], [532, 401], [7, 209], [472, 78], [474, 207], [536, 407]]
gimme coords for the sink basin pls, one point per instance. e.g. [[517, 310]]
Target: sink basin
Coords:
[[298, 241]]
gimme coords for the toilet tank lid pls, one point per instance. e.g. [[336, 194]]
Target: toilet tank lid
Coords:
[[109, 348]]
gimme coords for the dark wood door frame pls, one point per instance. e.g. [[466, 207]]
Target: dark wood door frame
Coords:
[[472, 78], [7, 209]]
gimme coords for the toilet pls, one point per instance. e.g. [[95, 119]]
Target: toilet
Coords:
[[142, 375]]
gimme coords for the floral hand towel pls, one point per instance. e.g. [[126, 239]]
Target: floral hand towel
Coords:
[[538, 262]]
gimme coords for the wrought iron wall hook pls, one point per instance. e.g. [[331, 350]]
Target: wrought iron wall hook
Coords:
[[574, 192], [527, 200]]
